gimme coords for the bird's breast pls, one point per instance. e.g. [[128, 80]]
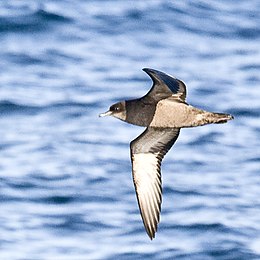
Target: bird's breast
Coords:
[[139, 112]]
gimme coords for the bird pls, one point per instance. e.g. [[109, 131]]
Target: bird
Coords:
[[163, 111]]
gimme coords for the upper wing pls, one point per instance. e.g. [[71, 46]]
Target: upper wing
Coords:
[[165, 86], [147, 152]]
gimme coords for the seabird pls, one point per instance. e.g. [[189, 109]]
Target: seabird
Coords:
[[163, 111]]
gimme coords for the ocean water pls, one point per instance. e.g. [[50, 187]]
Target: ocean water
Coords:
[[66, 188]]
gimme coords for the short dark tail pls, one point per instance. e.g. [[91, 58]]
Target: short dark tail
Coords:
[[220, 118]]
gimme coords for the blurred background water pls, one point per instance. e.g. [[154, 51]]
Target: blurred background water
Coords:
[[66, 188]]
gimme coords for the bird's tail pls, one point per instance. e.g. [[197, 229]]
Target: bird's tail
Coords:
[[219, 118]]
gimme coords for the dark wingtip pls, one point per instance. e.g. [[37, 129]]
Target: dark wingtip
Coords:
[[148, 70], [151, 236], [156, 75]]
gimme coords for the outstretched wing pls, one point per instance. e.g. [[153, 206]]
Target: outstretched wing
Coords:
[[165, 86], [147, 152]]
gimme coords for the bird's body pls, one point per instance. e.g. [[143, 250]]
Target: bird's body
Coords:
[[163, 110], [179, 114]]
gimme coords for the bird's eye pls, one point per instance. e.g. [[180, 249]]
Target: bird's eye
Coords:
[[115, 108]]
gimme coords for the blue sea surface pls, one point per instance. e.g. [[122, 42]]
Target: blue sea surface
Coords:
[[66, 189]]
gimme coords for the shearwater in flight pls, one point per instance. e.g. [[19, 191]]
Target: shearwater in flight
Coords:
[[163, 111]]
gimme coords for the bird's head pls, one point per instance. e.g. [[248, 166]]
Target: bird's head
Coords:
[[117, 110]]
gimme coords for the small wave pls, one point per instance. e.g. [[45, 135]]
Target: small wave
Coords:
[[207, 138], [35, 21], [7, 108], [216, 227], [12, 108], [253, 66], [49, 16], [245, 112], [72, 222], [248, 33], [58, 199], [168, 189], [25, 59]]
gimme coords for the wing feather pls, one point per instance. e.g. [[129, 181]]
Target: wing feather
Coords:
[[165, 86], [147, 152]]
